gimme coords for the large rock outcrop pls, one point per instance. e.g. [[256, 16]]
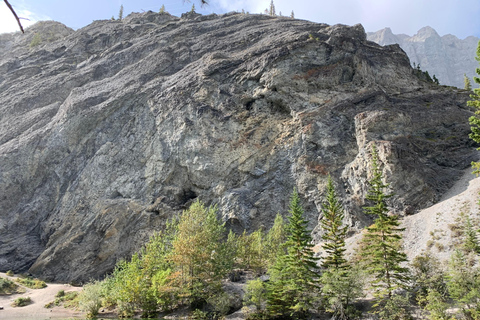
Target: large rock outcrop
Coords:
[[107, 131], [446, 57]]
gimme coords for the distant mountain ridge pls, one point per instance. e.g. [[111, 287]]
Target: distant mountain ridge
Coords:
[[447, 57]]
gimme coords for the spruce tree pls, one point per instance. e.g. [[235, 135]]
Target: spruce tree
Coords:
[[162, 9], [294, 279], [271, 11], [475, 120], [120, 13], [292, 15], [466, 81], [382, 241], [335, 233]]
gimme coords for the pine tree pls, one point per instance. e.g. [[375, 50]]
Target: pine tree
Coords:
[[271, 11], [162, 9], [335, 233], [435, 79], [120, 13], [471, 239], [292, 15], [294, 279], [475, 120], [274, 240], [466, 81], [382, 241], [193, 8]]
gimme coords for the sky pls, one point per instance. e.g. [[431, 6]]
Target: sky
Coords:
[[457, 17]]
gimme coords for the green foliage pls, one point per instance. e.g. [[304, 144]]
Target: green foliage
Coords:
[[471, 239], [467, 83], [335, 233], [90, 299], [199, 254], [436, 306], [294, 279], [10, 273], [193, 8], [271, 10], [120, 13], [162, 9], [32, 283], [292, 15], [250, 251], [274, 240], [255, 294], [68, 299], [340, 288], [36, 40], [435, 80], [463, 283], [427, 276], [21, 302], [7, 286], [475, 120], [396, 308], [382, 241]]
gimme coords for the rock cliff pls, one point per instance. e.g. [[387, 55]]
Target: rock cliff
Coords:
[[447, 57], [107, 131]]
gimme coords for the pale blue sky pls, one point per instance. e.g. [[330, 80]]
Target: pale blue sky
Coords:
[[458, 17]]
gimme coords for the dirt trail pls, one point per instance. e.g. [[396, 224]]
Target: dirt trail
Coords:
[[36, 310]]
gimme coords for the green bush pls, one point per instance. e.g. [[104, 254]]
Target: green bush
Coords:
[[90, 299], [21, 302], [10, 273], [7, 286], [68, 299], [32, 283]]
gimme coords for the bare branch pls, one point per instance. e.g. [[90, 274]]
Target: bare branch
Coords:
[[15, 14]]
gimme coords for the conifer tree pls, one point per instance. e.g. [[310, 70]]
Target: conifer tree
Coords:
[[466, 81], [292, 15], [382, 242], [475, 120], [294, 279], [120, 13], [193, 8], [274, 240], [271, 11], [162, 9], [335, 233]]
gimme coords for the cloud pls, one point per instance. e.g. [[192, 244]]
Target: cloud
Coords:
[[27, 18]]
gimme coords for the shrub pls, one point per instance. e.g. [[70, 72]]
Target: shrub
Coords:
[[10, 273], [7, 286], [60, 293], [21, 302], [90, 299], [32, 283]]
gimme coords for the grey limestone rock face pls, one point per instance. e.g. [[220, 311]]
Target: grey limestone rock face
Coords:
[[446, 57], [107, 131]]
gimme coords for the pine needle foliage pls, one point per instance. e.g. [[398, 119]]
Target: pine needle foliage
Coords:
[[475, 120], [335, 232], [382, 241], [294, 279]]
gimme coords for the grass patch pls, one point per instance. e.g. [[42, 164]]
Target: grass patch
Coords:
[[21, 302], [32, 283], [9, 287], [67, 299]]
